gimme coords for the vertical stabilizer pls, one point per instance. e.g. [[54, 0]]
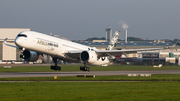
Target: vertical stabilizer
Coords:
[[113, 41]]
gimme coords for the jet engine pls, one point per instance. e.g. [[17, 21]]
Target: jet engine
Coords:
[[29, 55], [88, 56]]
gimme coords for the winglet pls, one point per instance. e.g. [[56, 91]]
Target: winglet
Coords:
[[172, 47], [113, 41], [175, 44], [5, 42]]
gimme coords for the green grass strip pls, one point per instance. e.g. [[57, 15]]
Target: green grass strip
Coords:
[[93, 68], [90, 91]]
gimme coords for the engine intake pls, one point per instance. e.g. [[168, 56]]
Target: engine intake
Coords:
[[84, 56], [30, 55], [88, 56]]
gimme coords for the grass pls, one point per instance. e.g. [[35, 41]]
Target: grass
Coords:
[[90, 91], [158, 87], [93, 68], [154, 77]]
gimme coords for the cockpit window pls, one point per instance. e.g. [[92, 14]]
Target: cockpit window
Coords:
[[22, 35]]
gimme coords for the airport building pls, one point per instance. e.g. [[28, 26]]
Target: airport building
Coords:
[[9, 54]]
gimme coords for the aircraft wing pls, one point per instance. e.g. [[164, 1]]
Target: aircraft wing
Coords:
[[104, 53], [73, 54]]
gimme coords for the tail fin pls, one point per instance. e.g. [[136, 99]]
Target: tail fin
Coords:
[[113, 41]]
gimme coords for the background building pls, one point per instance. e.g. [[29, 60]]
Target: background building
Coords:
[[9, 53], [108, 34]]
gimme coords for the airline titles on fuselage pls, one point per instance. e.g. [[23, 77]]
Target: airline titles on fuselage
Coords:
[[46, 43]]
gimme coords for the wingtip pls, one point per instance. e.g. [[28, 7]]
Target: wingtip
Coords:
[[5, 40], [176, 43], [118, 31]]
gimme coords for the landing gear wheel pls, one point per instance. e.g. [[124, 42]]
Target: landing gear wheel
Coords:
[[81, 68], [55, 67], [84, 68], [59, 68], [88, 69]]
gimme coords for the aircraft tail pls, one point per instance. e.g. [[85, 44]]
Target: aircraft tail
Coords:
[[113, 41]]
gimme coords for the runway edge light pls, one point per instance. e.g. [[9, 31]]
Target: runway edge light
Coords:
[[55, 77]]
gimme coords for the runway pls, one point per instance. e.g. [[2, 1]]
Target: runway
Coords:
[[75, 73]]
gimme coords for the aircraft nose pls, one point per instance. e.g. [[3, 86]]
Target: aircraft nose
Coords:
[[18, 42]]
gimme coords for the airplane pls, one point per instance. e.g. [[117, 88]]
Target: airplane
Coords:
[[32, 44]]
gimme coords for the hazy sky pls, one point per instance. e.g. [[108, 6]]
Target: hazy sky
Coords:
[[82, 19]]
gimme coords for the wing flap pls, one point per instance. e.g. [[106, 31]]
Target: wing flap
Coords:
[[73, 54]]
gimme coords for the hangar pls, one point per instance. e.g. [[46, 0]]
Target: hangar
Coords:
[[9, 53]]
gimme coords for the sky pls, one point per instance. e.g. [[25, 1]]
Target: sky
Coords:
[[82, 19]]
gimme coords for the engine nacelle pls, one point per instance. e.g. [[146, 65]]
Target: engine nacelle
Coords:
[[30, 55], [88, 56]]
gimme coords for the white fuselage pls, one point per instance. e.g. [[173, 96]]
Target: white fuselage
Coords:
[[53, 46]]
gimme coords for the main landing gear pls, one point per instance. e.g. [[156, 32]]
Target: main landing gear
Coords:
[[85, 68], [55, 67]]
